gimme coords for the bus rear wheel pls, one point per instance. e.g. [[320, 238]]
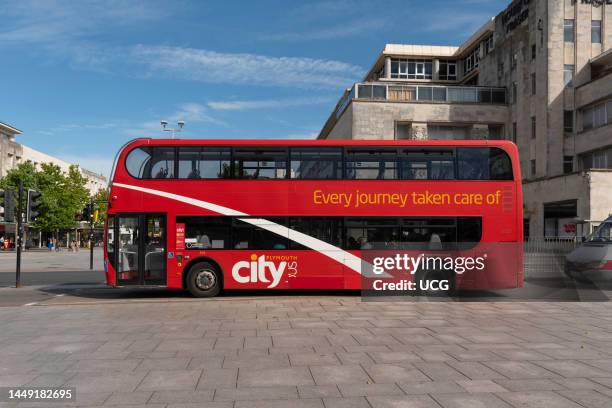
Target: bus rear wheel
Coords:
[[204, 280]]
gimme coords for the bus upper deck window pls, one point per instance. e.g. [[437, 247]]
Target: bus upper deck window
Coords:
[[138, 162], [151, 162], [483, 163], [162, 163]]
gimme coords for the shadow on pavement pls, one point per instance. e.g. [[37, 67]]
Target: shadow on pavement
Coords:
[[533, 290], [100, 292]]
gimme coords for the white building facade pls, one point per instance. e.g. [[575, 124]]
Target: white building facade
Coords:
[[13, 153]]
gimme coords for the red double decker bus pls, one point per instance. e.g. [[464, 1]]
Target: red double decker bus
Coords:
[[207, 215]]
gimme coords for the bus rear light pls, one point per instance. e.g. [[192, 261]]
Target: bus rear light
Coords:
[[507, 199]]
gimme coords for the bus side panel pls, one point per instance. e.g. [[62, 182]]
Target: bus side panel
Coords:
[[270, 269]]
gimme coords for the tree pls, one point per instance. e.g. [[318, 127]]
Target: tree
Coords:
[[24, 171], [75, 184], [62, 197], [100, 199]]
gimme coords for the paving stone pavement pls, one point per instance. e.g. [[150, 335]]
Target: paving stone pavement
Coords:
[[312, 351]]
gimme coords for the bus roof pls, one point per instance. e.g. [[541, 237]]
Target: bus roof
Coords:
[[315, 142]]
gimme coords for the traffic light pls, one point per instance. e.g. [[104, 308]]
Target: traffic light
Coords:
[[7, 202], [32, 205], [87, 213]]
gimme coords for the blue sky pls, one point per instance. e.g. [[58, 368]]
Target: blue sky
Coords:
[[82, 78]]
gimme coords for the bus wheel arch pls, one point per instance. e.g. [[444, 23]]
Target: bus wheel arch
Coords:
[[201, 272]]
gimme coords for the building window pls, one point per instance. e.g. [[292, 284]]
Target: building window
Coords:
[[514, 92], [599, 159], [568, 74], [514, 132], [568, 30], [448, 71], [488, 45], [587, 119], [411, 69], [472, 60], [568, 164], [496, 132], [597, 115], [533, 52], [596, 31], [447, 132], [568, 121], [533, 127], [525, 228], [533, 83], [532, 168], [559, 219], [403, 130]]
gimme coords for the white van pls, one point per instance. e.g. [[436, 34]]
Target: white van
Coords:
[[592, 261]]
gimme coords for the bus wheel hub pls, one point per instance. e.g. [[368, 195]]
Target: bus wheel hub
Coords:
[[205, 279]]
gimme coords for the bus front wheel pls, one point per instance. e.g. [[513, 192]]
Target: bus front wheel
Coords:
[[204, 280]]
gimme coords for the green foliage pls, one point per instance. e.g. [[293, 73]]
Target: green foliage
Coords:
[[100, 199], [63, 195], [24, 171]]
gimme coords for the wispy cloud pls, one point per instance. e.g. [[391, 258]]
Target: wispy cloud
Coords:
[[192, 113], [50, 21], [207, 66], [268, 104], [71, 127], [79, 33], [242, 68]]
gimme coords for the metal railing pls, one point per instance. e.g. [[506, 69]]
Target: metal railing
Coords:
[[544, 257], [431, 93], [421, 93]]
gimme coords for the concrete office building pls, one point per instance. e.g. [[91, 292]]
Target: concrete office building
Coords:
[[539, 73], [12, 153]]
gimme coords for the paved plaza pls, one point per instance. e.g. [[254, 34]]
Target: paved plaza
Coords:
[[42, 260], [309, 351]]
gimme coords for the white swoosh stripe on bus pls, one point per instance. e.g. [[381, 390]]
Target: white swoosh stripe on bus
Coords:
[[333, 252]]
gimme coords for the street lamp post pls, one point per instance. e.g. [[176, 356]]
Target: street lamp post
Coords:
[[165, 127]]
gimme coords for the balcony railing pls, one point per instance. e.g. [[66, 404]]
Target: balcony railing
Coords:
[[422, 93]]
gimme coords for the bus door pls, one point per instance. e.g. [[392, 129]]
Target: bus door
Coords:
[[141, 243]]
